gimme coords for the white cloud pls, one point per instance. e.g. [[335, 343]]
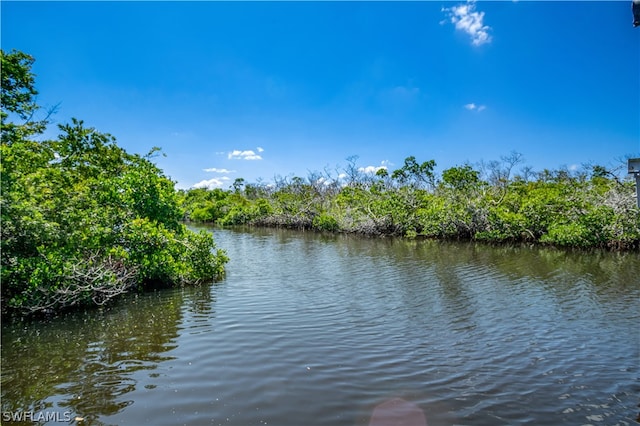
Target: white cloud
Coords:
[[212, 183], [215, 170], [259, 149], [323, 181], [371, 169], [466, 18], [244, 155], [473, 107]]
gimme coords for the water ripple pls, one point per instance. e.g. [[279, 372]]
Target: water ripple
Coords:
[[320, 330]]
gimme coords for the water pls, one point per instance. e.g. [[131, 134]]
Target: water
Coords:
[[309, 329]]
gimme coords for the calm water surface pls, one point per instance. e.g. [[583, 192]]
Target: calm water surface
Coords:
[[319, 330]]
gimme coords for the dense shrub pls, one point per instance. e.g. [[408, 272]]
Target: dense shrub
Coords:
[[556, 208], [325, 222], [84, 221]]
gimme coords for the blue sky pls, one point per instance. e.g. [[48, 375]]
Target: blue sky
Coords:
[[259, 89]]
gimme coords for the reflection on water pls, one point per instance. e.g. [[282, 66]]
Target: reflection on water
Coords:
[[84, 363], [325, 330]]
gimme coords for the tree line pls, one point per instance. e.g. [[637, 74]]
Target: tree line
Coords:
[[84, 221], [587, 208]]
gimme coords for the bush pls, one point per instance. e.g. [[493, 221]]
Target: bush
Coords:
[[568, 234], [325, 222], [83, 220]]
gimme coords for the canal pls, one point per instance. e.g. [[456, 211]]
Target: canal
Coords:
[[311, 329]]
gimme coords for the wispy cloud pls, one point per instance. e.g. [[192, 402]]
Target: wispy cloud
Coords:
[[212, 183], [244, 155], [216, 170], [466, 18], [473, 107]]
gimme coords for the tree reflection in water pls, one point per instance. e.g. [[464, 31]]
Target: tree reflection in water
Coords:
[[90, 362]]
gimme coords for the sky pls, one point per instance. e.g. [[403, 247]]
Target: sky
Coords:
[[258, 90]]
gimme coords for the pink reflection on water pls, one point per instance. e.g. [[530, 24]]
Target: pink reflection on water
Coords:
[[397, 412]]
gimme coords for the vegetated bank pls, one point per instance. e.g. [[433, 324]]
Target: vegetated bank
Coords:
[[588, 208], [83, 221]]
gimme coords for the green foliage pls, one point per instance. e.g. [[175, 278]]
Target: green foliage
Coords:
[[443, 217], [202, 205], [84, 221], [414, 173], [461, 178], [18, 98], [587, 230], [325, 222], [557, 208], [569, 234]]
